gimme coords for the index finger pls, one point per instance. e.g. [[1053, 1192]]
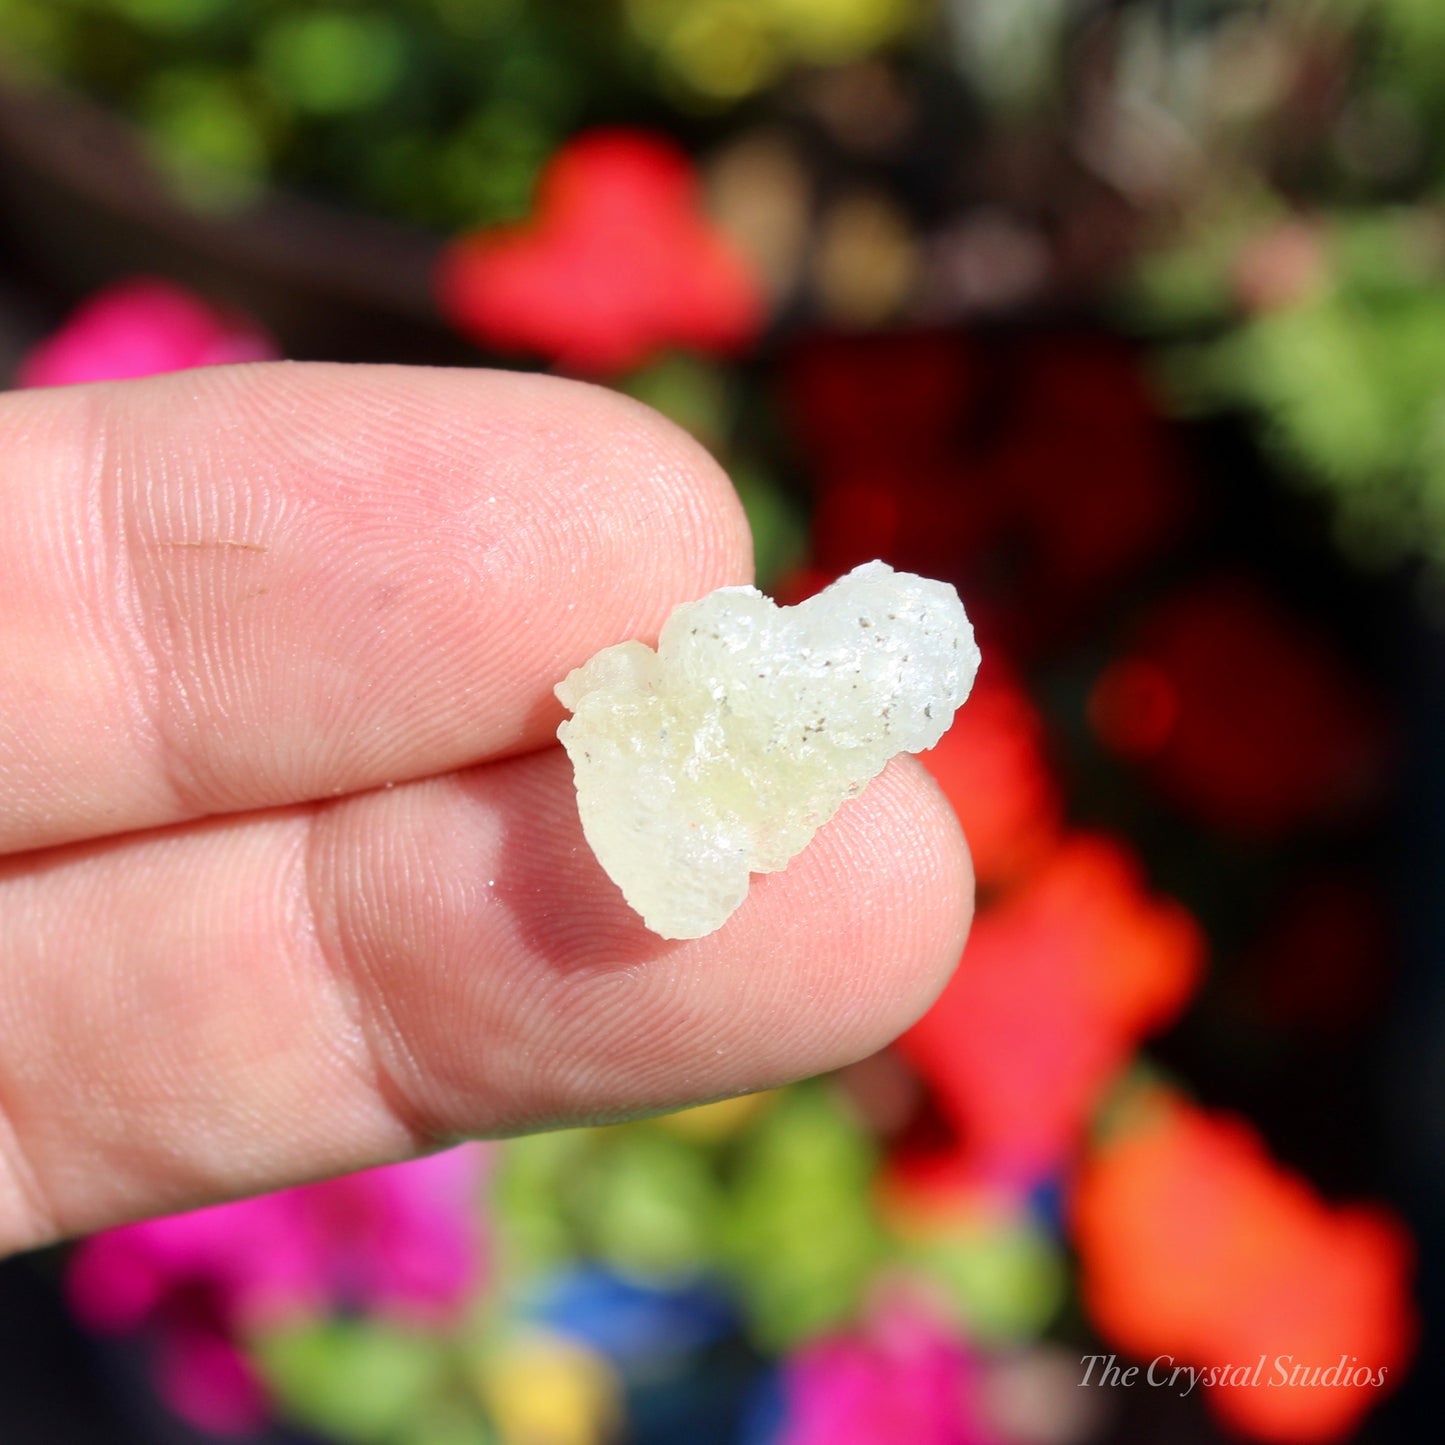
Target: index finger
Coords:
[[248, 586]]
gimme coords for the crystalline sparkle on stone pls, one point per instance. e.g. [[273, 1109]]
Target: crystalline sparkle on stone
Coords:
[[720, 754]]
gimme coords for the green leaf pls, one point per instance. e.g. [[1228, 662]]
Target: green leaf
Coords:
[[779, 526], [800, 1236], [332, 62], [1003, 1274], [355, 1380]]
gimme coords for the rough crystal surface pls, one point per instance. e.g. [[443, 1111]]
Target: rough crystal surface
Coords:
[[720, 754]]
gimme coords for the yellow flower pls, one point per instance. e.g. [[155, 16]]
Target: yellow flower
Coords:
[[542, 1389]]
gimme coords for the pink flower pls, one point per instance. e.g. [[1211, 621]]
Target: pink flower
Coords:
[[618, 262], [901, 1377], [138, 328], [401, 1241]]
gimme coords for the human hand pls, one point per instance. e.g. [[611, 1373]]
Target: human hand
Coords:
[[292, 876]]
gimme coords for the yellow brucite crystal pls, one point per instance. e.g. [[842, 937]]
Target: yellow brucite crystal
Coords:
[[721, 753]]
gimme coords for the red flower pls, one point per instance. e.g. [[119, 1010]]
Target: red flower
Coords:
[[617, 262], [992, 766], [1039, 476], [1092, 475], [1058, 984], [1195, 1244], [895, 399], [1323, 960], [886, 420], [1241, 714]]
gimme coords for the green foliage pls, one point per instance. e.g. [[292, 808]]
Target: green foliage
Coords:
[[1334, 335], [692, 392], [169, 16], [435, 111], [371, 1383], [206, 134], [715, 52], [780, 1207], [801, 1237], [779, 525], [531, 1202], [633, 1196], [651, 1203], [701, 398], [1004, 1275], [1348, 378], [332, 62]]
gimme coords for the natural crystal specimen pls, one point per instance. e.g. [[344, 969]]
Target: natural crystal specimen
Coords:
[[720, 754]]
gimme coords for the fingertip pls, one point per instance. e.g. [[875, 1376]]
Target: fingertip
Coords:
[[714, 528], [584, 1013], [299, 580], [890, 882], [825, 962]]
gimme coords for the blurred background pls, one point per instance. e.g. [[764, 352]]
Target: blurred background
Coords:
[[1128, 317]]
